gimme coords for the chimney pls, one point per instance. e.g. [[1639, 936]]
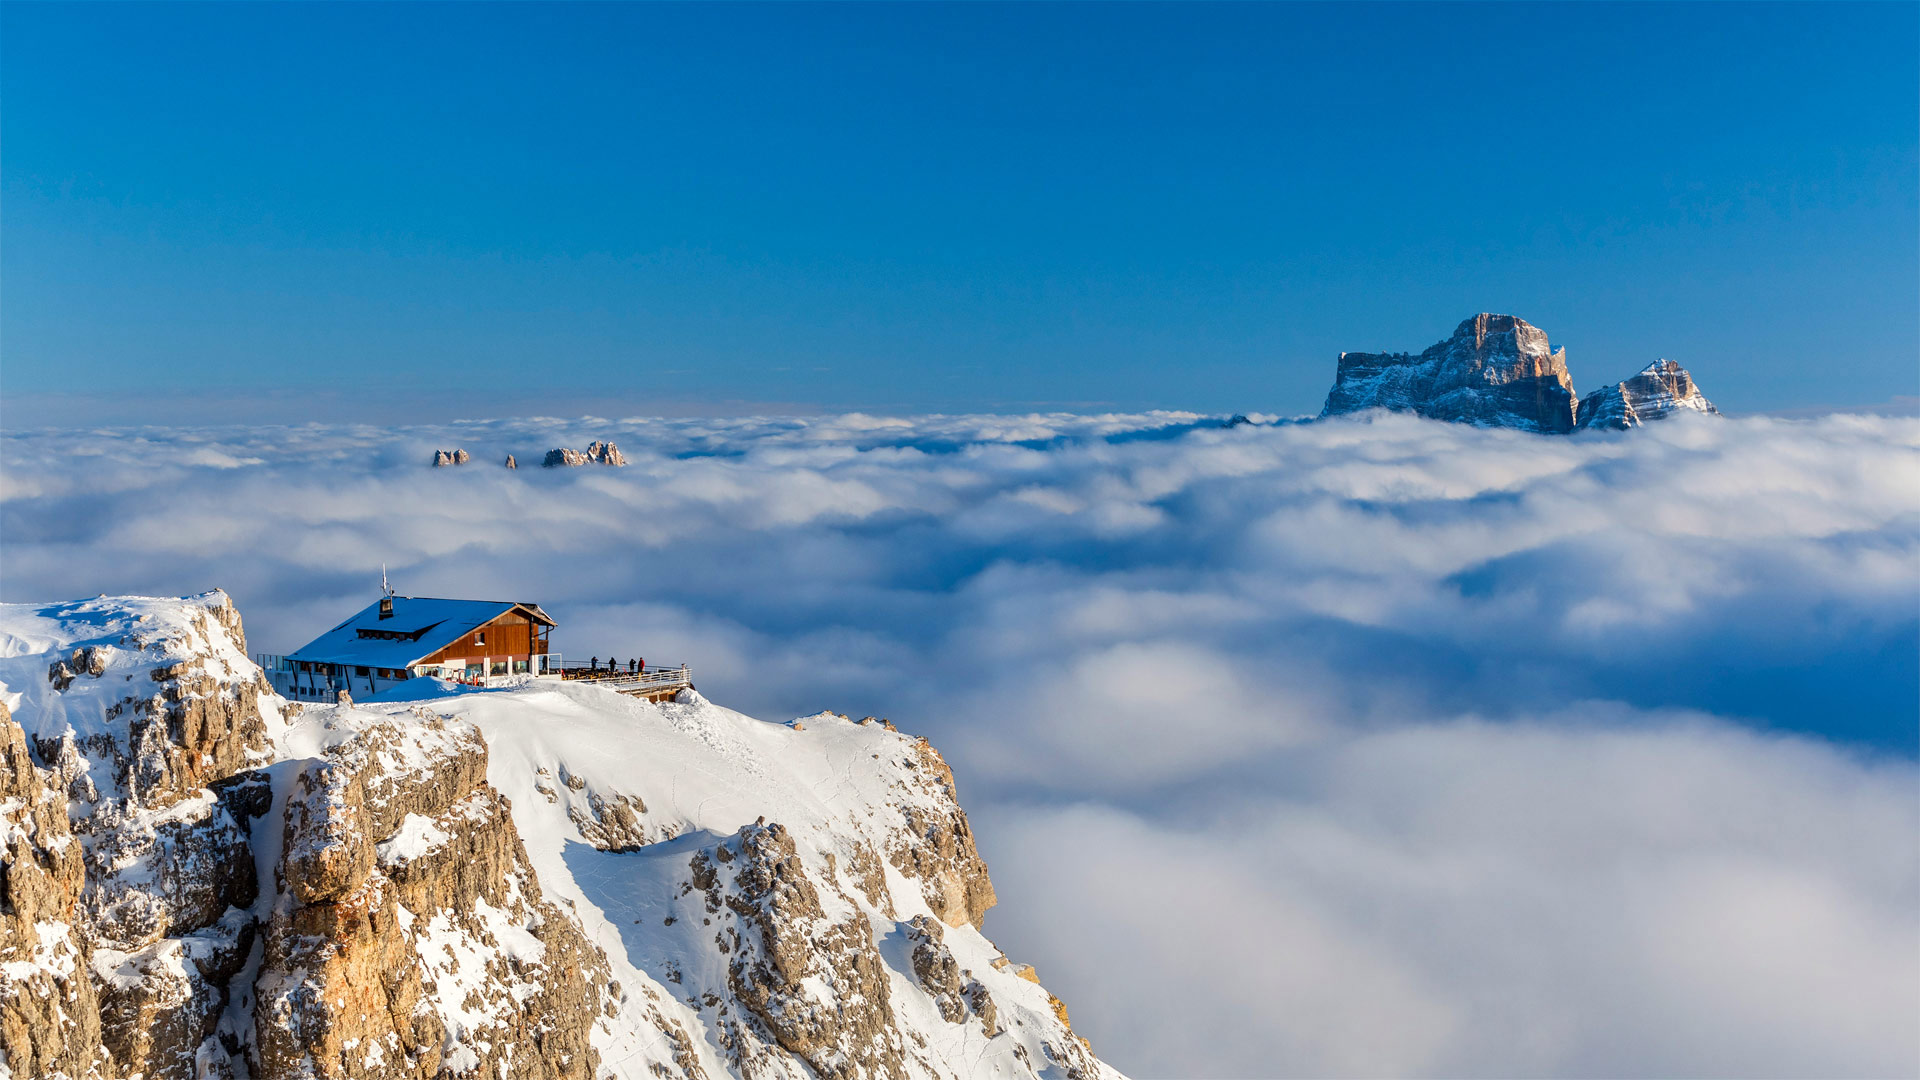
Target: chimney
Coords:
[[386, 607]]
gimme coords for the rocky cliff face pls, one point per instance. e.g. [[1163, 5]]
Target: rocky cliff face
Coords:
[[411, 938], [1495, 371], [1662, 388], [49, 1007], [203, 880], [1498, 371], [596, 453]]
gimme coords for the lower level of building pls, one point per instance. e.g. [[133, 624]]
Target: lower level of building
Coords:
[[306, 680]]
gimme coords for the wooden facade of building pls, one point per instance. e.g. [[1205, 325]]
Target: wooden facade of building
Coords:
[[509, 645], [404, 637]]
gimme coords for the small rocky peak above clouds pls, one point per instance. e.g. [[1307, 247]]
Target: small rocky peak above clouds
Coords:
[[596, 453], [444, 458], [1495, 371], [1660, 389]]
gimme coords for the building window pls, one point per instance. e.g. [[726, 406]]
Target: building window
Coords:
[[360, 671], [499, 667], [519, 667], [479, 637]]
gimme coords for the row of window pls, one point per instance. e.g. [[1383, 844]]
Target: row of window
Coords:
[[472, 670], [498, 667]]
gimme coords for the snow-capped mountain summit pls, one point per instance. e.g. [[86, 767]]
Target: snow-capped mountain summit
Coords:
[[205, 880], [1495, 371], [1657, 391]]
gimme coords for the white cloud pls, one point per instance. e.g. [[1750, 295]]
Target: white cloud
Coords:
[[1370, 747], [1473, 899]]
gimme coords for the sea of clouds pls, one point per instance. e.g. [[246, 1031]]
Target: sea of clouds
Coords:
[[1376, 746]]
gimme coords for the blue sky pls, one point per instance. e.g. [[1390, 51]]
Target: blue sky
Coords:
[[927, 207]]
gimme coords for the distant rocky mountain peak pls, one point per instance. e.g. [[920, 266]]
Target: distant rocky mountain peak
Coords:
[[1655, 393], [1495, 371], [601, 453], [1501, 371]]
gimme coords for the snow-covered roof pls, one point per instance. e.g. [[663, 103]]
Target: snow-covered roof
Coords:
[[420, 626]]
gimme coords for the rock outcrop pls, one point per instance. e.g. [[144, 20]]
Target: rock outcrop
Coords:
[[811, 980], [936, 848], [1495, 371], [596, 453], [203, 881], [417, 941], [152, 706], [443, 458], [49, 1008], [1658, 391]]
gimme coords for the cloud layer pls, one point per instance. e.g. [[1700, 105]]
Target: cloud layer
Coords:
[[1376, 746]]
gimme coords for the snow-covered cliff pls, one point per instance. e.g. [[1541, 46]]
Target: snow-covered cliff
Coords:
[[204, 880]]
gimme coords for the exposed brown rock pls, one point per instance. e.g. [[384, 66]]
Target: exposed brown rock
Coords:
[[167, 874], [982, 1004], [1496, 371], [443, 954], [417, 765], [132, 902], [934, 966], [159, 1005], [1660, 389], [49, 1010], [611, 824], [937, 848], [597, 453], [816, 984], [605, 453], [329, 848], [870, 876], [339, 993]]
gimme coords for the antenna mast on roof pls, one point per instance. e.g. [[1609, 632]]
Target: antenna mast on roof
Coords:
[[386, 594]]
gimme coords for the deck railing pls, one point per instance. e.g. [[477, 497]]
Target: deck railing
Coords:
[[546, 665], [619, 678]]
